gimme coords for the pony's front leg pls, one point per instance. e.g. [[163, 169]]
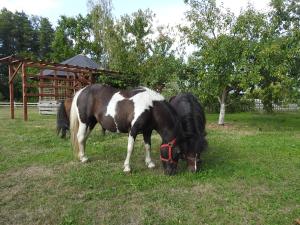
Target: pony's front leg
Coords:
[[129, 152], [147, 142]]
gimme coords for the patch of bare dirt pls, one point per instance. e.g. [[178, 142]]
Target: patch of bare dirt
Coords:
[[203, 189], [32, 171], [13, 183], [231, 128]]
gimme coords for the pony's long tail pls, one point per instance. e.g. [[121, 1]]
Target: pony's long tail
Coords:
[[62, 120], [74, 125]]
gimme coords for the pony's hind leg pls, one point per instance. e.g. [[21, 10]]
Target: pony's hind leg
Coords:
[[147, 142], [63, 132], [82, 135]]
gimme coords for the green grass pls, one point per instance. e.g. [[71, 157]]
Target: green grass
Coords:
[[250, 175]]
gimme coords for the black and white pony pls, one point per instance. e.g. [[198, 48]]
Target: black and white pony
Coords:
[[136, 111], [63, 118], [192, 118]]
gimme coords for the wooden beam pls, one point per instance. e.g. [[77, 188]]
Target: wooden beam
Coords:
[[12, 77], [55, 66], [48, 86], [44, 95], [6, 59], [51, 78], [83, 80]]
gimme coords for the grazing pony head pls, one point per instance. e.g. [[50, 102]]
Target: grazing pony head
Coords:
[[169, 155], [169, 128]]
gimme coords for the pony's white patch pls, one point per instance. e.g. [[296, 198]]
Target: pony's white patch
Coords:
[[112, 106], [143, 101]]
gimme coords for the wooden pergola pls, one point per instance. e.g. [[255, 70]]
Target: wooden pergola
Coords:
[[78, 77]]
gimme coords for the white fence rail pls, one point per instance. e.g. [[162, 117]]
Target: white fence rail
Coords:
[[259, 106], [19, 104], [44, 107], [48, 107]]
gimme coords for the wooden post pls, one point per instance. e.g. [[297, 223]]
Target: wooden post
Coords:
[[55, 85], [67, 86], [24, 90], [11, 92], [74, 83], [41, 82]]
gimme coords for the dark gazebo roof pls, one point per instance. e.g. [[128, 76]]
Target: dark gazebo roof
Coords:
[[78, 60]]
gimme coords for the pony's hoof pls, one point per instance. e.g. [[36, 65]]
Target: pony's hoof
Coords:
[[150, 165], [127, 169], [84, 159]]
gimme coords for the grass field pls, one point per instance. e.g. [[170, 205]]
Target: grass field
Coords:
[[250, 175]]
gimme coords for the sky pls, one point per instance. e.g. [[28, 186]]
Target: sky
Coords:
[[167, 11]]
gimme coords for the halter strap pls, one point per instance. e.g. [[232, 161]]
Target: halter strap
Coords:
[[169, 145]]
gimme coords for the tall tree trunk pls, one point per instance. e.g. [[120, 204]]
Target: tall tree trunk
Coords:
[[222, 107]]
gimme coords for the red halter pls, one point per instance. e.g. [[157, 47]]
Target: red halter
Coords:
[[170, 145]]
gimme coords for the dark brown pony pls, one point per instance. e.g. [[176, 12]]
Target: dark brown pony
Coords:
[[192, 119], [63, 117], [137, 111]]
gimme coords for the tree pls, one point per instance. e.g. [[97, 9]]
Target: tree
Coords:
[[45, 37], [102, 23], [285, 20], [7, 40], [255, 54], [128, 45], [271, 54], [161, 66], [219, 53], [17, 36], [62, 47]]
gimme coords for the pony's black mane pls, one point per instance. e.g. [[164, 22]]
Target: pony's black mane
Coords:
[[192, 123], [197, 117]]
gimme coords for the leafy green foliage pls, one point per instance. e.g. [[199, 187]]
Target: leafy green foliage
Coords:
[[255, 54]]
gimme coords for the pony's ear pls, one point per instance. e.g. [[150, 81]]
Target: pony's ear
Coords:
[[171, 98]]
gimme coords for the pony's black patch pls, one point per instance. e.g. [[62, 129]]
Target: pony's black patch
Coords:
[[124, 115], [131, 93]]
